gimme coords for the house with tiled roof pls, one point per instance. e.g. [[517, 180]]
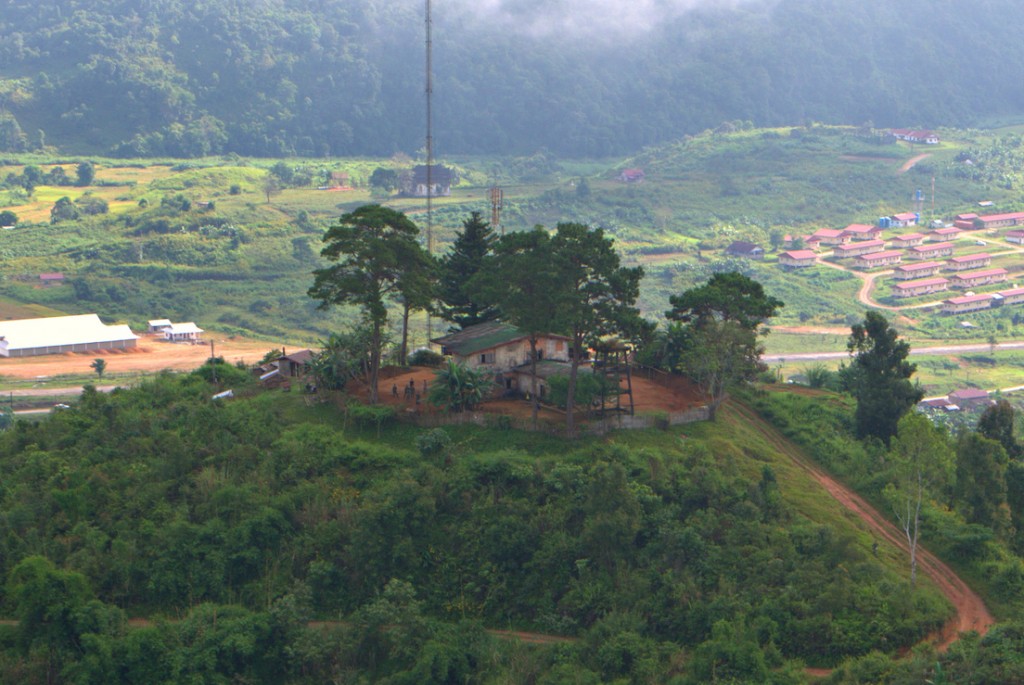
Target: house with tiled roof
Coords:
[[1011, 296], [1016, 236], [828, 236], [499, 347], [965, 221], [968, 398], [904, 219], [943, 234], [743, 248], [999, 220]]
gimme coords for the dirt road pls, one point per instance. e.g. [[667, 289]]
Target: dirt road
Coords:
[[971, 612], [938, 349], [912, 162]]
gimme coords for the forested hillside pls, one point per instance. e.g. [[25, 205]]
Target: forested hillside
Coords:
[[281, 77]]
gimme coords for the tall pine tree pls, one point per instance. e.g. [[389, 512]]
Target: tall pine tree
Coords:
[[459, 303]]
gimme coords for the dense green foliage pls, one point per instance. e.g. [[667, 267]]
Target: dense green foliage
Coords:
[[283, 78], [161, 501]]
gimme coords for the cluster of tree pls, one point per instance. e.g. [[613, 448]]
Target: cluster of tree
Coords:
[[671, 562], [32, 176], [285, 78], [570, 282]]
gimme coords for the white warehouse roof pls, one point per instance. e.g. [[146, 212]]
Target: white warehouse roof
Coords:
[[58, 331]]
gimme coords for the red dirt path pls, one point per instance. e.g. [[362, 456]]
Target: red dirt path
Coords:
[[971, 612]]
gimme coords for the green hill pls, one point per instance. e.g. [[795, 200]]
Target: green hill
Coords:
[[186, 79], [666, 555]]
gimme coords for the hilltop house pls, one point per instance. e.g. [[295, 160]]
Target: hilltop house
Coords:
[[915, 135], [862, 232], [903, 220]]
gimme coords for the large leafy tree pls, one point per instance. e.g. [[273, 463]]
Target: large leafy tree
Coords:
[[716, 339], [879, 377], [461, 303], [599, 294], [523, 280], [375, 252]]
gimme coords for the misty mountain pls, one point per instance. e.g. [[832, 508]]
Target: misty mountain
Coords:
[[326, 77]]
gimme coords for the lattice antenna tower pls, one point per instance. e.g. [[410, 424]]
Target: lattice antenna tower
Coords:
[[497, 197], [430, 146]]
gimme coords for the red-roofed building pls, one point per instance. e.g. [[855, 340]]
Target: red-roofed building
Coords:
[[904, 219], [967, 303], [631, 175], [1012, 296], [942, 234], [969, 261], [858, 249], [1015, 237], [973, 279], [828, 236], [999, 220], [877, 259], [862, 232], [908, 272], [930, 251], [923, 286], [965, 222], [915, 135], [52, 278], [967, 398], [907, 240], [797, 259]]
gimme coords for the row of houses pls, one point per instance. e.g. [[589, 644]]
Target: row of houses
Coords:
[[82, 333]]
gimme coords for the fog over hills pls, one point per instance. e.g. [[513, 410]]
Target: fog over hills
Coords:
[[282, 77]]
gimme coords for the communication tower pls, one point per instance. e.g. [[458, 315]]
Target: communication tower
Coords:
[[497, 196]]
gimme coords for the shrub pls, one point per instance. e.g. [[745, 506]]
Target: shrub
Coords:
[[425, 357]]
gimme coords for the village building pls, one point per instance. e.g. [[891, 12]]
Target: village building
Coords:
[[62, 334], [827, 236], [158, 325], [922, 286], [943, 234], [907, 240], [910, 135], [51, 279], [862, 232], [903, 220], [414, 183], [1012, 296], [858, 249], [970, 398], [742, 248], [967, 303], [999, 220], [797, 259], [183, 332], [908, 272], [1015, 237], [930, 251], [965, 222], [877, 259], [631, 176], [973, 279], [296, 364], [968, 261]]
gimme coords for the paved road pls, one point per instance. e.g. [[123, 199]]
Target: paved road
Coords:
[[942, 349]]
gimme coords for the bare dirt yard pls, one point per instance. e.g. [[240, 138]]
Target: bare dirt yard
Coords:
[[150, 356]]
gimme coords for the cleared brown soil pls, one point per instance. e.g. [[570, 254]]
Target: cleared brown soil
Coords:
[[150, 356]]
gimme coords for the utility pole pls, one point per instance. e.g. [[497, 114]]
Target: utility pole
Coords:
[[213, 361]]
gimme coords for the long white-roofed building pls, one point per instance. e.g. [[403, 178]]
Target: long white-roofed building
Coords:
[[61, 334]]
